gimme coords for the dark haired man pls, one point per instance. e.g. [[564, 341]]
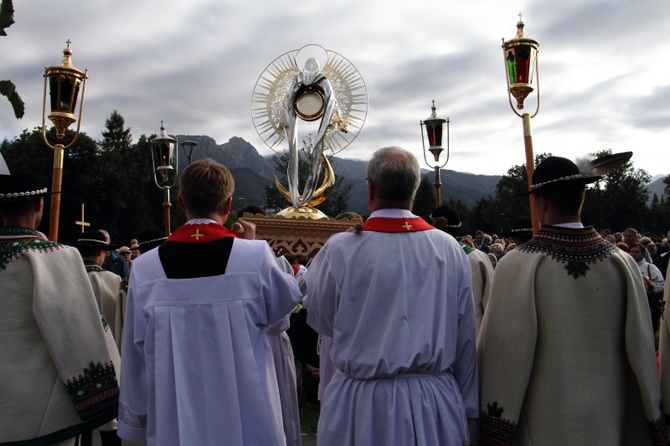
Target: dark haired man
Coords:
[[566, 343], [58, 373]]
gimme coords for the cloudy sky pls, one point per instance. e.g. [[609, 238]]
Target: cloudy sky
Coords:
[[604, 70]]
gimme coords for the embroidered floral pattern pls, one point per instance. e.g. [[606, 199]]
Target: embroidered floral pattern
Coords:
[[14, 242], [493, 429], [94, 392], [576, 269], [575, 248], [658, 429]]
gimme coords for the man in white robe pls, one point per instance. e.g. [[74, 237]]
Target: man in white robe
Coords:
[[58, 361], [93, 246], [447, 219], [198, 369], [396, 301], [566, 345]]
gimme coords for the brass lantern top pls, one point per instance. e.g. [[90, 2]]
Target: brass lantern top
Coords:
[[65, 82], [521, 64]]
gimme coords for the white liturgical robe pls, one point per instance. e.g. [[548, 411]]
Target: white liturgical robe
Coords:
[[398, 306], [197, 366]]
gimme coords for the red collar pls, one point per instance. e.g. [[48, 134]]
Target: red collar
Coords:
[[384, 224], [200, 233]]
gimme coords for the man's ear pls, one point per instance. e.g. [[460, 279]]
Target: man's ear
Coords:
[[182, 206], [39, 205], [228, 206]]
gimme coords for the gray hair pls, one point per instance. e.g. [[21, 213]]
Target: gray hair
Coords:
[[395, 174]]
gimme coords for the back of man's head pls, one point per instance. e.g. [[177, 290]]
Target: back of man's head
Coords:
[[395, 175], [205, 186], [565, 199]]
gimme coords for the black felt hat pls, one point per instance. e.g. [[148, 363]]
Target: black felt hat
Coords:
[[447, 219], [556, 171], [523, 227], [94, 239], [19, 185], [151, 238]]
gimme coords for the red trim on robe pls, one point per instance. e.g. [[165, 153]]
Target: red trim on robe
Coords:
[[384, 224], [200, 233]]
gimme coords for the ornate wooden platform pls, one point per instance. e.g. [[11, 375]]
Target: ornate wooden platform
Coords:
[[298, 236]]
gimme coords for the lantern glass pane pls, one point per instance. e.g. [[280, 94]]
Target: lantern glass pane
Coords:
[[522, 61], [63, 93], [434, 135]]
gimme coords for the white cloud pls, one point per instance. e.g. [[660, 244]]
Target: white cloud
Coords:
[[194, 65]]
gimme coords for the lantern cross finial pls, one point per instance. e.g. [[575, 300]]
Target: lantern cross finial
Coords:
[[68, 41], [520, 17]]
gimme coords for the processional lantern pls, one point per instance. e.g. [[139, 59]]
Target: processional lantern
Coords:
[[434, 126], [521, 69], [65, 83], [164, 160]]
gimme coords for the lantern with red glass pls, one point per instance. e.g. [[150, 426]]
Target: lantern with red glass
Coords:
[[521, 66], [434, 131]]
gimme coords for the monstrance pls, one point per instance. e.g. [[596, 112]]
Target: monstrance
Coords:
[[329, 99]]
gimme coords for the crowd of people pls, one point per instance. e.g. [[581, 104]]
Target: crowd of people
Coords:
[[402, 331]]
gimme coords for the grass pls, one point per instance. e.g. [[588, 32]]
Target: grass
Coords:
[[309, 416]]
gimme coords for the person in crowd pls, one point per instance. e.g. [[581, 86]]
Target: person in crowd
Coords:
[[126, 254], [650, 272], [106, 285], [662, 256], [403, 343], [632, 236], [448, 220], [114, 262], [664, 349], [93, 246], [134, 249], [480, 241], [284, 359], [59, 367], [654, 283], [567, 333], [197, 365]]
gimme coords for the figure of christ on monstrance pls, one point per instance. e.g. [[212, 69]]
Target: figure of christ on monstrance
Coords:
[[333, 100]]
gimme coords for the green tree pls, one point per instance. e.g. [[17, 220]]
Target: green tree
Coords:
[[619, 199], [7, 88], [424, 201]]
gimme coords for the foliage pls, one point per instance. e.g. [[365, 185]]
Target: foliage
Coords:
[[619, 199], [424, 201], [7, 88], [112, 179]]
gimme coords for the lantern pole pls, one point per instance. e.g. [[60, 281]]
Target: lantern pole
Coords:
[[521, 64], [65, 81]]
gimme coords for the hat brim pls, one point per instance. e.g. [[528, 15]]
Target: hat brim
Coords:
[[582, 181], [8, 200], [105, 246]]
